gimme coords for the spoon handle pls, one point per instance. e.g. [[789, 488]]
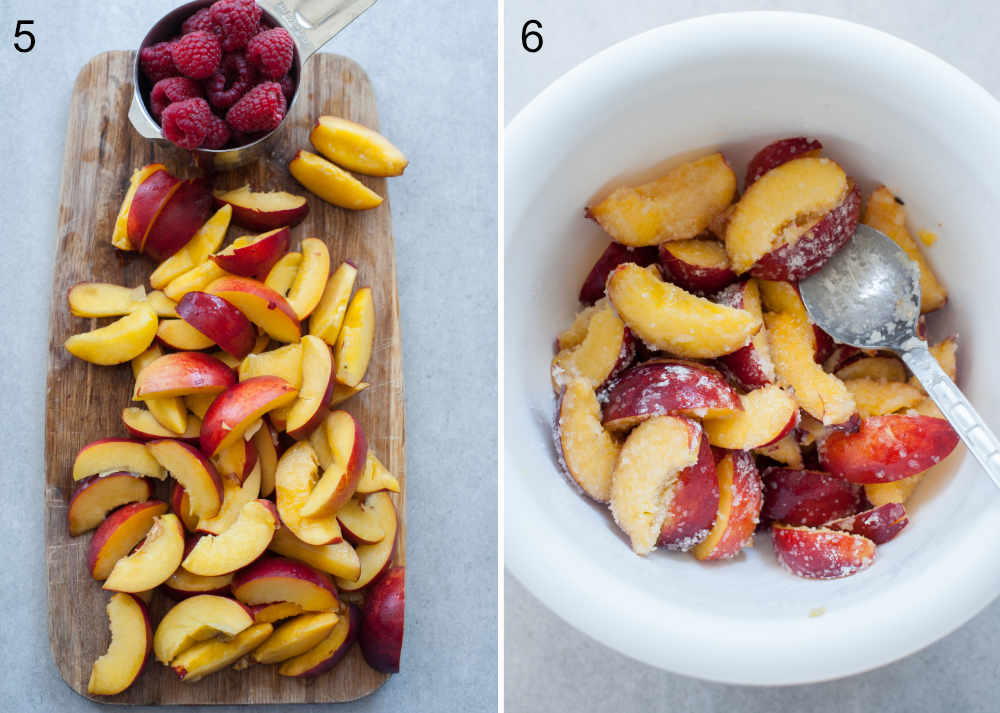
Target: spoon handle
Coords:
[[963, 417]]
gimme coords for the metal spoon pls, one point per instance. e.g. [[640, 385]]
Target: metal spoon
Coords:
[[868, 295]]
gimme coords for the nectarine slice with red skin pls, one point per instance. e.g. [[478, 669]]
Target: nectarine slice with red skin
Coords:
[[353, 349], [219, 321], [254, 255], [328, 317], [700, 266], [189, 467], [329, 652], [576, 332], [203, 243], [310, 280], [879, 524], [119, 236], [274, 611], [606, 350], [587, 452], [676, 206], [740, 500], [95, 496], [103, 299], [339, 559], [152, 563], [197, 619], [263, 210], [376, 477], [295, 637], [692, 502], [295, 478], [182, 585], [888, 448], [649, 461], [821, 553], [807, 497], [284, 362], [240, 406], [779, 152], [122, 340], [382, 618], [786, 450], [197, 278], [331, 183], [348, 447], [121, 531], [793, 346], [110, 455], [183, 213], [316, 390], [169, 411], [375, 557], [883, 212], [261, 305], [206, 657], [181, 336], [235, 496], [666, 317], [142, 425], [807, 253], [359, 524], [668, 387], [279, 579], [180, 504], [614, 255], [282, 275], [356, 147], [184, 373], [267, 456], [246, 539], [131, 644], [148, 201], [768, 415], [750, 366], [237, 461]]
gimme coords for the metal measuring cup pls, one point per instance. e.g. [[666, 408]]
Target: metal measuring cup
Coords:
[[311, 23]]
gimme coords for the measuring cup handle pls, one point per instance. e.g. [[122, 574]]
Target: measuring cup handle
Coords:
[[141, 121], [968, 424], [312, 23]]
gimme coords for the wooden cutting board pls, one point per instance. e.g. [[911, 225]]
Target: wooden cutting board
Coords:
[[84, 401]]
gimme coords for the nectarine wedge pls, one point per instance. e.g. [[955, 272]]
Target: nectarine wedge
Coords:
[[586, 450], [196, 619], [197, 278], [604, 350], [750, 366], [183, 373], [376, 477], [281, 276], [111, 455], [182, 214], [219, 322], [691, 502], [331, 183], [768, 414], [375, 558], [202, 244], [329, 652], [295, 478], [193, 471], [807, 497], [278, 579], [121, 531], [356, 147], [739, 508], [95, 496], [697, 265], [131, 642], [154, 561], [239, 407], [263, 210], [119, 235], [614, 255], [118, 342], [201, 659], [295, 637], [359, 523], [821, 553], [181, 336], [312, 403], [169, 411], [261, 305], [274, 611], [254, 255], [326, 320], [779, 152], [353, 350], [103, 299], [149, 199], [235, 496], [338, 558], [237, 546], [310, 279], [879, 524]]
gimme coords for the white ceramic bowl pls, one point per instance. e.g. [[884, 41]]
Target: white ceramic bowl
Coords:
[[887, 111]]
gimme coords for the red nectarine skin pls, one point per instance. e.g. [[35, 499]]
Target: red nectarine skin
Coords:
[[613, 256], [381, 634], [699, 279], [257, 258], [145, 512], [820, 553], [218, 320], [745, 512], [95, 496], [887, 448], [180, 218], [801, 258], [148, 201], [189, 372], [354, 618], [694, 500], [879, 524], [824, 345], [273, 567], [807, 497], [777, 153], [746, 366], [661, 387], [235, 404]]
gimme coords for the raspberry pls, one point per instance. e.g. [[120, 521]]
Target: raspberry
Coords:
[[172, 89], [234, 79], [187, 123], [157, 62], [218, 134], [201, 21], [238, 21], [287, 87], [271, 53], [260, 109], [197, 54]]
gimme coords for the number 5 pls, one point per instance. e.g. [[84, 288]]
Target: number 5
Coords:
[[18, 33]]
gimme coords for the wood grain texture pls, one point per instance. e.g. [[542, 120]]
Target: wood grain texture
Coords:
[[84, 401]]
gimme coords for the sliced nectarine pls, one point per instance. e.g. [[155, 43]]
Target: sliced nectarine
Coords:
[[606, 349], [676, 206], [237, 461], [282, 275], [785, 450], [261, 305], [95, 496], [587, 451], [313, 400], [310, 279], [779, 152], [111, 455], [666, 317], [183, 373], [254, 255], [103, 299], [131, 642], [219, 322], [119, 236], [154, 561], [877, 398], [576, 332], [326, 320], [360, 523], [353, 349], [148, 201], [182, 336], [376, 477], [202, 244], [274, 611], [339, 558], [182, 584], [750, 366], [356, 147], [895, 491], [118, 342], [888, 215], [879, 524], [121, 531], [821, 553], [650, 459], [240, 406], [329, 652], [263, 210], [169, 411], [235, 496], [278, 579], [196, 619], [193, 471], [807, 497], [348, 447], [197, 278], [691, 502], [699, 266], [295, 478], [740, 500], [182, 214], [332, 183], [199, 660], [237, 546], [295, 637], [284, 362], [375, 558], [267, 457], [768, 414]]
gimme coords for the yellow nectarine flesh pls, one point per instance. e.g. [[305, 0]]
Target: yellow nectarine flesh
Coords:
[[356, 147], [327, 318], [332, 183], [202, 244], [310, 279], [353, 349], [118, 342]]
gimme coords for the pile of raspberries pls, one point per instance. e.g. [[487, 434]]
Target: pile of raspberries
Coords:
[[222, 83]]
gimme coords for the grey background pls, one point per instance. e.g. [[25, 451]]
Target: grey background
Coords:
[[550, 666], [434, 69]]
